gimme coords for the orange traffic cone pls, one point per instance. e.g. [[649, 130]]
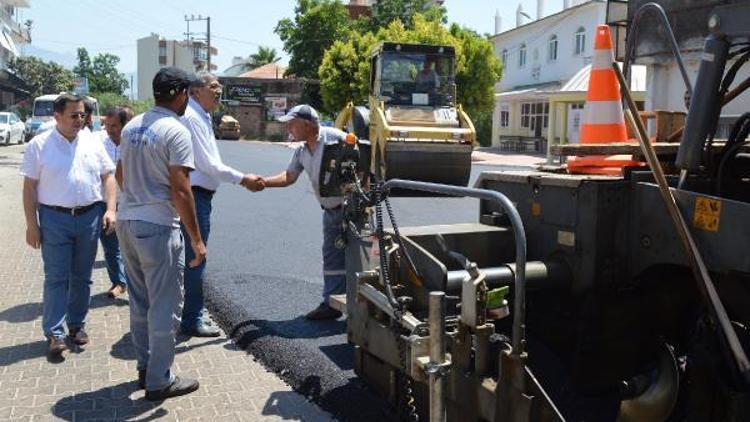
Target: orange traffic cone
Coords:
[[603, 120]]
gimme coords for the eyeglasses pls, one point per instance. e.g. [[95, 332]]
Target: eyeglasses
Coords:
[[81, 116]]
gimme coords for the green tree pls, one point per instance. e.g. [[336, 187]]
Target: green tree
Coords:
[[264, 56], [344, 74], [345, 68], [316, 25], [386, 11], [83, 69], [42, 77], [101, 72]]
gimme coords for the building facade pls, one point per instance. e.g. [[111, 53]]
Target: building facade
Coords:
[[546, 62], [13, 36], [155, 52], [539, 58]]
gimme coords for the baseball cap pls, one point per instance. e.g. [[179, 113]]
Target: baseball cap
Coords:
[[302, 111], [169, 81]]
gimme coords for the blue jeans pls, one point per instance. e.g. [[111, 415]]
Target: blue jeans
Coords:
[[68, 251], [334, 256], [113, 258], [192, 311], [155, 262]]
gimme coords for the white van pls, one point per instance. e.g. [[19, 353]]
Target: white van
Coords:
[[43, 111]]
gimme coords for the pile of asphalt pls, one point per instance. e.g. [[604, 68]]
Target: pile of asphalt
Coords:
[[312, 357]]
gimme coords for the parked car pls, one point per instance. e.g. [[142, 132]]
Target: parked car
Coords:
[[12, 129], [228, 128]]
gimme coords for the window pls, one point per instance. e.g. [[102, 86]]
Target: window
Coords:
[[522, 56], [531, 111], [504, 115], [162, 53], [580, 41], [552, 55], [505, 57]]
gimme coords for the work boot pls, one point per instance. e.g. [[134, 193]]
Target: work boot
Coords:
[[323, 312], [56, 345], [78, 336], [116, 290], [178, 387]]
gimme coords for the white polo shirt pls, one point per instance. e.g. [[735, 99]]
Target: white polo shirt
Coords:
[[69, 173]]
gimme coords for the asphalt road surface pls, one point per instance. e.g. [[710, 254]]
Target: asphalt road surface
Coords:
[[264, 273]]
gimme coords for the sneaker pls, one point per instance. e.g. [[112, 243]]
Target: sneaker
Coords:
[[323, 312], [78, 336], [179, 387], [56, 345], [116, 290], [202, 330], [141, 379]]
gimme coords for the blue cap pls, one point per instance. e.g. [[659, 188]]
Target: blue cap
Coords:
[[302, 111]]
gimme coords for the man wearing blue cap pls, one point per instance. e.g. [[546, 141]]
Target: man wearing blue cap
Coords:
[[304, 126]]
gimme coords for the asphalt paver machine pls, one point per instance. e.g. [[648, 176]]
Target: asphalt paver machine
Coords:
[[572, 297]]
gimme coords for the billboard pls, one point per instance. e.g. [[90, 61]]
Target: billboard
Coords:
[[243, 94]]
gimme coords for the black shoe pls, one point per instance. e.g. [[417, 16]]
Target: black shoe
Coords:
[[179, 387], [78, 336], [323, 312], [56, 345], [141, 379], [202, 330]]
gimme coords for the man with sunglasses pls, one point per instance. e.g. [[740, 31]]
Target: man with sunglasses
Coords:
[[209, 173], [156, 158], [64, 172]]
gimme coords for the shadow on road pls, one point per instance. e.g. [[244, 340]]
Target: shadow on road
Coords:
[[108, 403], [26, 312], [123, 348]]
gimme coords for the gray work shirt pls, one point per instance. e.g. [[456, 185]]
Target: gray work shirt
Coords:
[[310, 162], [151, 143]]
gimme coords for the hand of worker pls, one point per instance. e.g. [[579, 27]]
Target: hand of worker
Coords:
[[33, 237], [199, 250], [253, 182], [108, 222]]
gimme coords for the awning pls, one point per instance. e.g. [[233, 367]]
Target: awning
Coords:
[[527, 91]]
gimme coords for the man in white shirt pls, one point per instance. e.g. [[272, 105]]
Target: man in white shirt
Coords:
[[116, 118], [64, 171], [209, 173]]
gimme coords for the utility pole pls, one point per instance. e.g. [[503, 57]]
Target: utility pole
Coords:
[[206, 35]]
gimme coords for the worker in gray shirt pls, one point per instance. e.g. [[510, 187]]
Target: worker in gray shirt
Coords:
[[304, 125], [156, 158]]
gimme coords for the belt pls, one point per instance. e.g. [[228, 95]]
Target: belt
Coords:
[[337, 207], [201, 189], [75, 211]]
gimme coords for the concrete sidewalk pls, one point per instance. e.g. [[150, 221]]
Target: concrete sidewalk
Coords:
[[98, 382]]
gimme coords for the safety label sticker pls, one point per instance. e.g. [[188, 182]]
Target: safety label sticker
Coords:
[[707, 214]]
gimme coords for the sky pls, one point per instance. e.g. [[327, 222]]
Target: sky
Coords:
[[237, 27]]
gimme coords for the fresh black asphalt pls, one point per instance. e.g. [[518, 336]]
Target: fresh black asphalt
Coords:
[[264, 272]]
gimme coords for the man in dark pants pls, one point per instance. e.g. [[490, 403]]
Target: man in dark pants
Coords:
[[116, 118], [304, 126], [209, 173], [64, 170]]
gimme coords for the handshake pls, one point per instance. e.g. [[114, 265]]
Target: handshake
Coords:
[[253, 182]]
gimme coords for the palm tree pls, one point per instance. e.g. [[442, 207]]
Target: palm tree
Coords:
[[265, 55]]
